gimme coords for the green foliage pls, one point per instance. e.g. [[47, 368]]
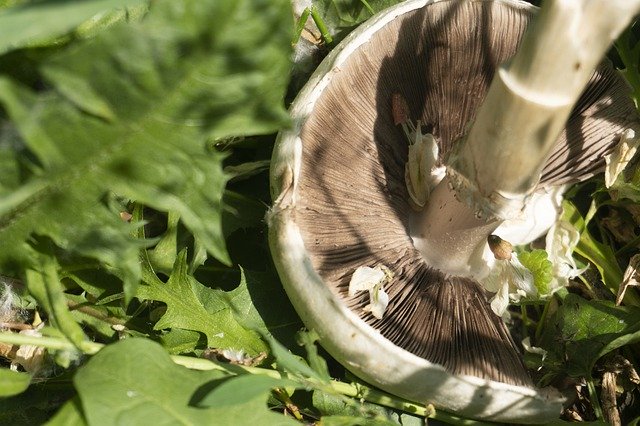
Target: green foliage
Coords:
[[70, 414], [135, 139], [540, 266], [140, 132], [241, 400], [192, 306], [599, 254], [13, 382], [628, 48], [136, 380], [342, 15], [581, 331], [22, 24], [308, 339]]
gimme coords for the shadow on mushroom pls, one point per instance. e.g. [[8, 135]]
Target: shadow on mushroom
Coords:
[[351, 207]]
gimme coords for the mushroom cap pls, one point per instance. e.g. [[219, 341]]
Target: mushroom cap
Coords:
[[341, 203]]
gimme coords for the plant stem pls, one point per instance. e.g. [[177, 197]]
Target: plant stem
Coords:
[[353, 390], [54, 343], [300, 25], [595, 402], [87, 309], [324, 31], [347, 389]]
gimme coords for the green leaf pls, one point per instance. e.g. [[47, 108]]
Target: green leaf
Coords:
[[263, 305], [99, 318], [152, 94], [37, 22], [242, 401], [44, 284], [540, 266], [178, 341], [343, 420], [164, 254], [342, 15], [69, 415], [339, 410], [291, 363], [601, 255], [34, 406], [13, 382], [308, 339], [192, 306], [135, 381], [582, 331]]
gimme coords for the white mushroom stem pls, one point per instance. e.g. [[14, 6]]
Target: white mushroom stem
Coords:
[[499, 163], [497, 167], [450, 235]]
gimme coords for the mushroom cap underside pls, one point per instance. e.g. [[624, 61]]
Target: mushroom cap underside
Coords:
[[341, 177]]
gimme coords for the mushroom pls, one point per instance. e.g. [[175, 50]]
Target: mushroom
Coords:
[[344, 220]]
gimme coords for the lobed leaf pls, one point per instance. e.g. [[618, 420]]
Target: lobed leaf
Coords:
[[192, 306]]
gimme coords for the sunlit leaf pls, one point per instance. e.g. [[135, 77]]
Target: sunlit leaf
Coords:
[[192, 306], [537, 262], [135, 381], [582, 331]]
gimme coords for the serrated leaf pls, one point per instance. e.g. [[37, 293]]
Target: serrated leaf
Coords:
[[134, 381], [35, 22], [540, 266], [13, 382], [582, 331], [258, 300], [161, 88], [192, 306]]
